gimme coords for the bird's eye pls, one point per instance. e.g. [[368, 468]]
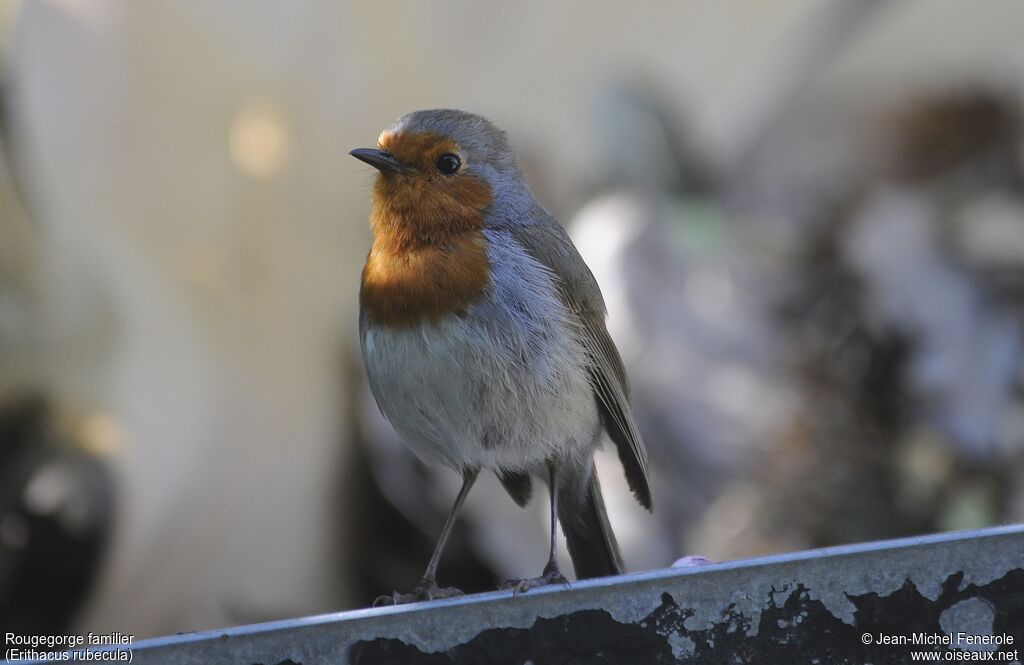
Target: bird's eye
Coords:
[[448, 163]]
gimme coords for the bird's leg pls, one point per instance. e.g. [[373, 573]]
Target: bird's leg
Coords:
[[551, 574], [551, 568], [427, 588]]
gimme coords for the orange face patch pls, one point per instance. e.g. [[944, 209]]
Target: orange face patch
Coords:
[[417, 149], [429, 254]]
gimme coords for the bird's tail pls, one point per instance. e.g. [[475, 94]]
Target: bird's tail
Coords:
[[592, 545]]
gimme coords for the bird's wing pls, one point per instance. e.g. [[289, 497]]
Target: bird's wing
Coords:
[[549, 244]]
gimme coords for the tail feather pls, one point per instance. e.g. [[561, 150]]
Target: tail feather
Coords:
[[592, 545]]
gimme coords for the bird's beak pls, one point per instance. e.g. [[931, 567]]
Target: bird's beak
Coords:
[[379, 159]]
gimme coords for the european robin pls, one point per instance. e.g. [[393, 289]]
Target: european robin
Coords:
[[483, 335]]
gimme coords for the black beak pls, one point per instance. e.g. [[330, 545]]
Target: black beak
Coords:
[[378, 159]]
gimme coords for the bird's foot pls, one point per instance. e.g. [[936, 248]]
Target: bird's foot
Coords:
[[551, 575], [427, 589]]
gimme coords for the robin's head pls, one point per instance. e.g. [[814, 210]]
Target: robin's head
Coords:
[[439, 172], [443, 175]]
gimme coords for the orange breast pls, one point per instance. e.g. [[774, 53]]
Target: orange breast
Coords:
[[403, 287], [429, 254]]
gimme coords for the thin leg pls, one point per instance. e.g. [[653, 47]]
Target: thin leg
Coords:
[[553, 556], [427, 588], [468, 478], [551, 574]]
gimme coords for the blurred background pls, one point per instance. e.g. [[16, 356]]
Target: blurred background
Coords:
[[807, 217]]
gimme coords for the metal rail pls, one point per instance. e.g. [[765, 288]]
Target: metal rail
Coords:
[[838, 605]]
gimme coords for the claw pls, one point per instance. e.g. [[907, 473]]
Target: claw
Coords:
[[425, 590], [551, 575], [385, 600]]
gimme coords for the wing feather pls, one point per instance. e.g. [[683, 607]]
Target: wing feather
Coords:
[[549, 244]]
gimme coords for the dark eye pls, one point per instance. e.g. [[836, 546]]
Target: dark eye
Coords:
[[448, 163]]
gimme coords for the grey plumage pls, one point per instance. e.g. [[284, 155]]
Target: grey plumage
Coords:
[[548, 242], [524, 376]]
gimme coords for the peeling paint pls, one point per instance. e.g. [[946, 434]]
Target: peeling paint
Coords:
[[806, 607], [793, 627], [973, 616]]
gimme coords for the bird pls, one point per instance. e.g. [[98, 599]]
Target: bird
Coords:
[[483, 336]]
